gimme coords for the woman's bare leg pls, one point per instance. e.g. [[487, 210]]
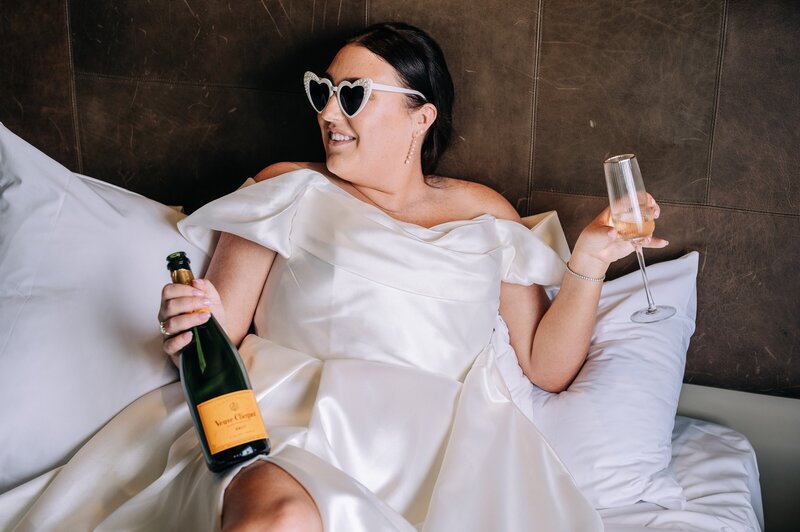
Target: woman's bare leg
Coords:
[[262, 496]]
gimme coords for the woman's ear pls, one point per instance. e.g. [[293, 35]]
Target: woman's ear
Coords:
[[424, 117]]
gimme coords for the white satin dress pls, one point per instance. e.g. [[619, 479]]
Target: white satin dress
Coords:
[[375, 366]]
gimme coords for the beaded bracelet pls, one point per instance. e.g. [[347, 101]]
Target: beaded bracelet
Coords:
[[585, 277]]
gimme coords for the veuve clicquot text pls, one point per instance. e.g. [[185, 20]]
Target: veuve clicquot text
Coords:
[[221, 400]]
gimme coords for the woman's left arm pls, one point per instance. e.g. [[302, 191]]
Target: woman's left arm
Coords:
[[552, 342]]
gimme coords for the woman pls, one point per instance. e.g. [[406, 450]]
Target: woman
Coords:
[[373, 155], [382, 301]]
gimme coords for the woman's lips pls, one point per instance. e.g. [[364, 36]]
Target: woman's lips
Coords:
[[336, 138]]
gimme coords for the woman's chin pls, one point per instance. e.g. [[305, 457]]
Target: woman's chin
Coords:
[[335, 164]]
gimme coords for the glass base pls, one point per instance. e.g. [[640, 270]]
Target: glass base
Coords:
[[660, 313]]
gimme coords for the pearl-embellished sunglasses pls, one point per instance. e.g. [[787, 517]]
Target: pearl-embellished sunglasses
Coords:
[[352, 96]]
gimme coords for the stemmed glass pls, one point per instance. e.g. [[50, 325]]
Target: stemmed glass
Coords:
[[633, 220]]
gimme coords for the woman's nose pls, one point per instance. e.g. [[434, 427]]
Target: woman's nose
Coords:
[[332, 112]]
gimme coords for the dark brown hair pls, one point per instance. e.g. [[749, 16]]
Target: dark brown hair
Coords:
[[420, 63]]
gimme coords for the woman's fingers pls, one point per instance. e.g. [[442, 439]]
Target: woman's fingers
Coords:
[[173, 290], [212, 300], [208, 288], [602, 242], [651, 202], [620, 248], [181, 299], [182, 322], [173, 345], [654, 242], [183, 305]]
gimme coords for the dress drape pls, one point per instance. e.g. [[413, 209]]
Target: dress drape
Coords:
[[375, 367]]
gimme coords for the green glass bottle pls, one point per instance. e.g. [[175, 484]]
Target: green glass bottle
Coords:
[[221, 400]]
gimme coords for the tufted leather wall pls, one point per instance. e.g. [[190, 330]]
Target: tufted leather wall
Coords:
[[161, 96]]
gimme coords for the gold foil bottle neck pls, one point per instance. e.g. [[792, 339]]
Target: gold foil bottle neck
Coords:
[[182, 276]]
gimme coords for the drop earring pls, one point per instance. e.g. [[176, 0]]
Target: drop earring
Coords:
[[411, 150]]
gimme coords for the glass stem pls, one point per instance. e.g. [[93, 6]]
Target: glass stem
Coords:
[[651, 305]]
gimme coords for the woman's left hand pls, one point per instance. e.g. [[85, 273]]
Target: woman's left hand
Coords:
[[599, 244]]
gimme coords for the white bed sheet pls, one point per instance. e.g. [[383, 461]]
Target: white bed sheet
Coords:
[[716, 467]]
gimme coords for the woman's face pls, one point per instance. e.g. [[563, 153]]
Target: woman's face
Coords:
[[368, 146]]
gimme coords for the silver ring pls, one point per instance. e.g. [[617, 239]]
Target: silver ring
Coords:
[[163, 329]]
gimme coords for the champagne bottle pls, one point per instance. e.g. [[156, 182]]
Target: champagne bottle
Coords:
[[218, 391]]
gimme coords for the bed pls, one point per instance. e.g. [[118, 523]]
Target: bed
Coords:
[[182, 100], [68, 240], [717, 469]]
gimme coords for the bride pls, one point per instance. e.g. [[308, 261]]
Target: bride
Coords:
[[384, 301]]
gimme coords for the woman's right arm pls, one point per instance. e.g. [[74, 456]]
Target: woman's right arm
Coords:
[[231, 289], [238, 270]]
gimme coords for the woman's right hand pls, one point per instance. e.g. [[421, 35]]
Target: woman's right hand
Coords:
[[599, 244], [184, 307]]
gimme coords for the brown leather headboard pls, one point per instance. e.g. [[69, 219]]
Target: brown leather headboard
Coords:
[[182, 100]]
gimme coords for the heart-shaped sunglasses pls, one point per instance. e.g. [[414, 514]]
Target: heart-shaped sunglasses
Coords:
[[352, 96]]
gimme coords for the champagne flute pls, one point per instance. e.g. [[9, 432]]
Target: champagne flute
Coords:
[[633, 220]]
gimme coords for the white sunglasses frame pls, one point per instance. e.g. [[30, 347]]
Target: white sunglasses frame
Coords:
[[366, 83]]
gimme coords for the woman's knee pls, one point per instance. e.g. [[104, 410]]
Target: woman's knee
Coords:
[[283, 514], [294, 513], [265, 497]]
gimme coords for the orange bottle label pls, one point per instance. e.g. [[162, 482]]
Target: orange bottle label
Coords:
[[230, 420]]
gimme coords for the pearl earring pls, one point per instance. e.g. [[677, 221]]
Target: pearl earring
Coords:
[[411, 149]]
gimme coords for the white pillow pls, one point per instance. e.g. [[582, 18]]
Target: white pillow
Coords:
[[82, 264], [612, 428]]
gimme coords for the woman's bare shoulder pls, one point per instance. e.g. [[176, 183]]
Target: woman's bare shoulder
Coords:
[[476, 199], [277, 169]]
